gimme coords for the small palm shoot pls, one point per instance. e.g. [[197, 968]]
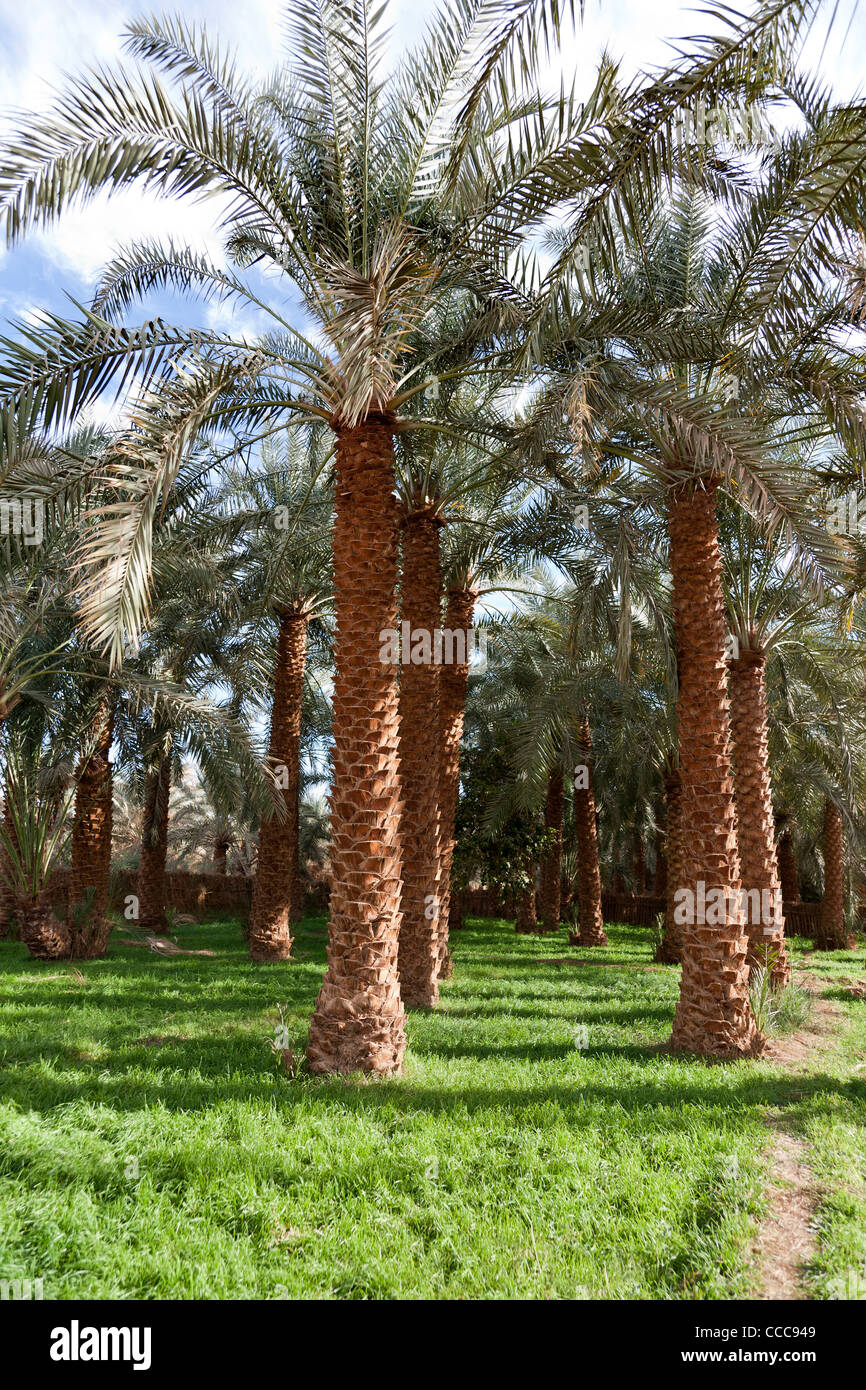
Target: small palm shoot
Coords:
[[777, 1009], [280, 1044]]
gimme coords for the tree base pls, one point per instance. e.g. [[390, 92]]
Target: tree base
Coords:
[[703, 1033], [717, 1047], [45, 937], [90, 942], [156, 924], [595, 938], [420, 996], [668, 953], [372, 1044], [843, 942], [267, 951]]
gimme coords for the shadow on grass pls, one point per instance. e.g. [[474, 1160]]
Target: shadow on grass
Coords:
[[146, 1048]]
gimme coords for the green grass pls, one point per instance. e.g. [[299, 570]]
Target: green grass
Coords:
[[510, 1160]]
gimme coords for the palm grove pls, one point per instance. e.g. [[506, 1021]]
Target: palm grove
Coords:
[[540, 361]]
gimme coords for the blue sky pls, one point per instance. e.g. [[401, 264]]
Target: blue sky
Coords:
[[41, 39]]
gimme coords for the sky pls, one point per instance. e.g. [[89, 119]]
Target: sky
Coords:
[[42, 39]]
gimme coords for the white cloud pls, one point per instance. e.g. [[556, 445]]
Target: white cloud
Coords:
[[41, 42], [644, 36], [38, 42], [241, 320], [84, 239]]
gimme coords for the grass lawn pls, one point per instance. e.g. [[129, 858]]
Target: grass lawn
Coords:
[[541, 1144]]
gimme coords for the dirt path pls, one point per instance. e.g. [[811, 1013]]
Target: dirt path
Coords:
[[786, 1239], [787, 1236]]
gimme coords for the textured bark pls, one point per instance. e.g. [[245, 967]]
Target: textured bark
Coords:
[[831, 935], [418, 957], [7, 892], [713, 1017], [455, 923], [453, 679], [359, 1021], [756, 836], [45, 937], [566, 896], [297, 892], [91, 849], [152, 887], [660, 880], [592, 932], [220, 857], [638, 863], [551, 864], [670, 951], [270, 935], [527, 921], [787, 859], [7, 895]]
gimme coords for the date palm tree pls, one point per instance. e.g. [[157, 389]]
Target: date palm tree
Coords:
[[337, 175], [832, 934], [769, 613], [815, 682], [33, 833], [700, 402], [90, 840], [34, 647], [282, 512], [189, 648], [378, 196], [488, 551], [442, 482]]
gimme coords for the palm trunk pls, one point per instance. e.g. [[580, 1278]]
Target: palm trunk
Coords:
[[660, 877], [831, 935], [418, 957], [788, 874], [7, 891], [45, 937], [359, 1022], [551, 864], [91, 849], [527, 922], [670, 950], [270, 935], [756, 837], [638, 863], [591, 932], [453, 679], [220, 857], [297, 894], [713, 1017], [152, 883], [455, 922]]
